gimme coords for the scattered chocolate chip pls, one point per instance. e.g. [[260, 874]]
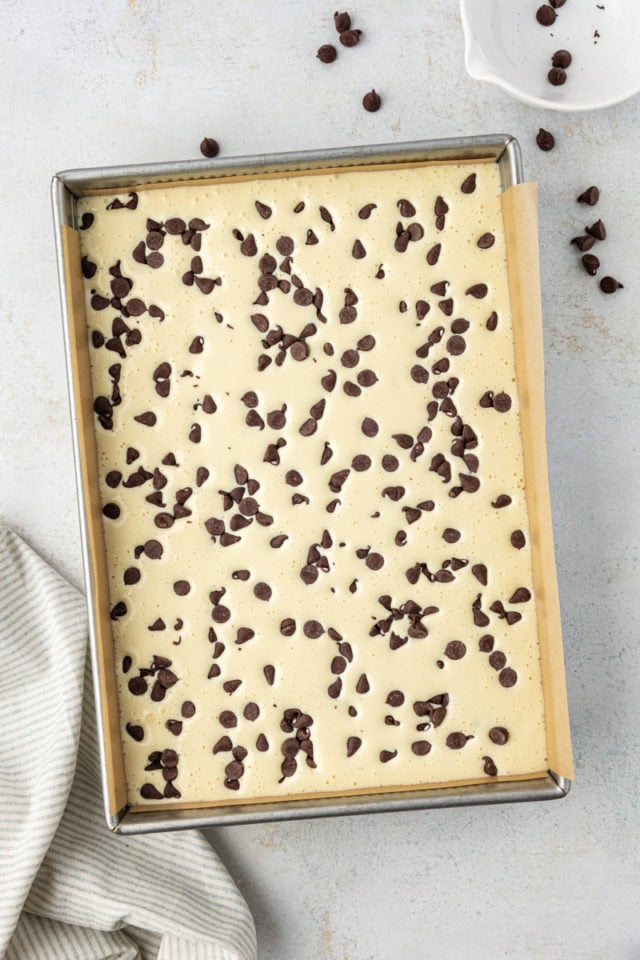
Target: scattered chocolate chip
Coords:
[[589, 196], [387, 755], [457, 740], [358, 251], [269, 673], [556, 76], [420, 747], [350, 38], [546, 15], [469, 185], [610, 285], [518, 539], [561, 58], [545, 140], [353, 745], [489, 767], [209, 148], [313, 629], [365, 212], [327, 53], [263, 591], [590, 263], [148, 419]]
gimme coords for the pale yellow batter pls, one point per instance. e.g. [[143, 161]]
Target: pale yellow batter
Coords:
[[389, 607]]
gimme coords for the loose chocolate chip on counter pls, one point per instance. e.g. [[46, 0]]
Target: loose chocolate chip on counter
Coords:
[[350, 38], [209, 148], [342, 21], [557, 76], [590, 196], [597, 230], [546, 15], [590, 263], [327, 53], [545, 140], [518, 539], [584, 243], [610, 285], [561, 3], [561, 58], [371, 101]]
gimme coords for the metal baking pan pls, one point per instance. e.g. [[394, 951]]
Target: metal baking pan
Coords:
[[67, 187]]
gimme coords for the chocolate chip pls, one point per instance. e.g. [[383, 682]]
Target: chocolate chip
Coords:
[[148, 419], [387, 755], [365, 212], [360, 462], [263, 209], [433, 254], [263, 591], [262, 744], [545, 140], [87, 220], [518, 539], [353, 745], [457, 740], [590, 263], [149, 792], [508, 677], [451, 535], [499, 735], [209, 148], [223, 745], [362, 686], [610, 285], [589, 196], [557, 77], [251, 711], [502, 402], [350, 38], [489, 767], [358, 251], [313, 629], [243, 634], [480, 573], [561, 58], [269, 673], [342, 21], [278, 540], [456, 345], [153, 549], [228, 719], [597, 230], [327, 53], [469, 184], [486, 241], [546, 15], [395, 698], [369, 427], [497, 659]]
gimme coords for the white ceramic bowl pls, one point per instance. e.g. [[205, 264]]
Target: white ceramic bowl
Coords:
[[505, 45]]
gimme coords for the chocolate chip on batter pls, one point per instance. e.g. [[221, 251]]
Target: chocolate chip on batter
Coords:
[[518, 539], [353, 745], [451, 535], [387, 755], [497, 659], [269, 673], [313, 629], [489, 767], [469, 184], [499, 735], [486, 241], [365, 212], [508, 677], [358, 251]]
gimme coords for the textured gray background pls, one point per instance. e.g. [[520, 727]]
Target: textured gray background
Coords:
[[88, 83]]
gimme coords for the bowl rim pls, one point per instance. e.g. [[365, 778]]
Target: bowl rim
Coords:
[[496, 80]]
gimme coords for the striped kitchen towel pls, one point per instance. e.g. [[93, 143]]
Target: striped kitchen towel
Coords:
[[69, 889]]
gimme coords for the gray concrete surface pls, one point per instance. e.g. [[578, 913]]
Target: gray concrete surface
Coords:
[[96, 83]]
